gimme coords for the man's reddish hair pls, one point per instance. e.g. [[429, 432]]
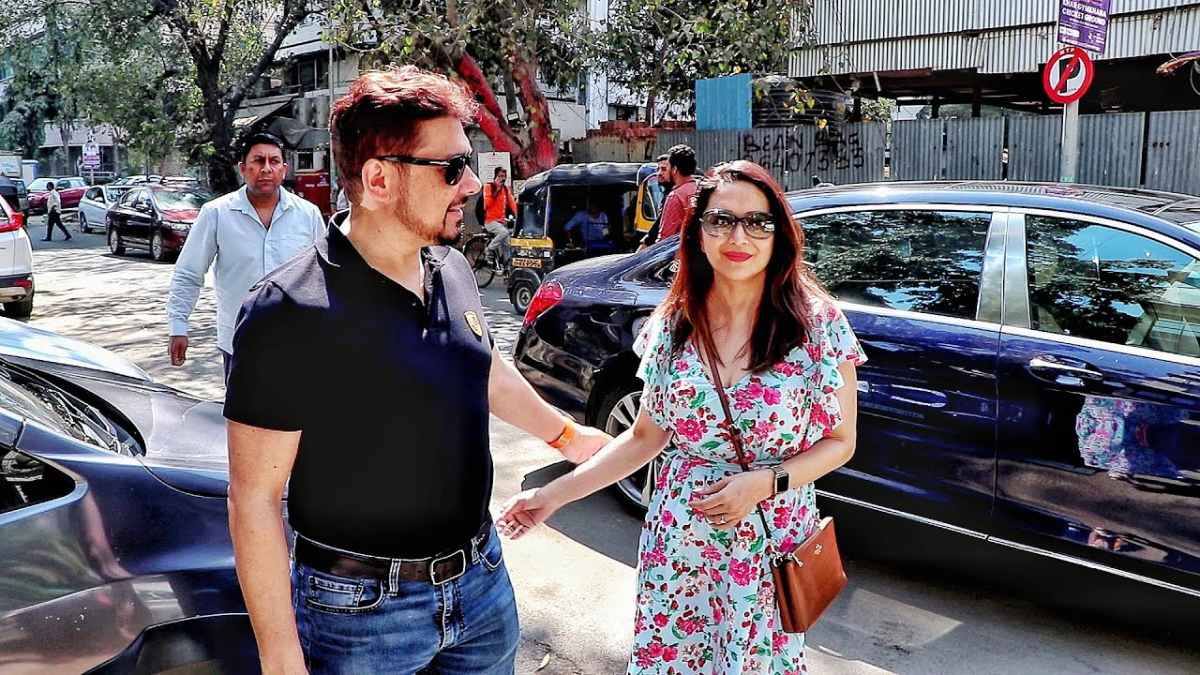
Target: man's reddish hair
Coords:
[[381, 113]]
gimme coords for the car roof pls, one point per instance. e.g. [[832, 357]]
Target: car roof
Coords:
[[595, 173], [1164, 212]]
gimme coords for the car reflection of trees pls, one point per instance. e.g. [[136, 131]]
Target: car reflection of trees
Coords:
[[895, 259]]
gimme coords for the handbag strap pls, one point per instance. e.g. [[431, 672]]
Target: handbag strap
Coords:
[[734, 436]]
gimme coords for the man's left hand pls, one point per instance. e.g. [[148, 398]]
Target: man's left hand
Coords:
[[587, 442]]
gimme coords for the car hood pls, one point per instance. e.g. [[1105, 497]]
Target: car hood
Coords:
[[181, 215], [23, 341], [183, 436]]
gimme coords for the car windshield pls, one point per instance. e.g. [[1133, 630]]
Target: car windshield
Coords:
[[179, 200], [23, 392]]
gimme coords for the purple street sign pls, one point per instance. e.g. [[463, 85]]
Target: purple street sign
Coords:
[[1084, 23]]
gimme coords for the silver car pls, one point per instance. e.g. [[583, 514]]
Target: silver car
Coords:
[[95, 204]]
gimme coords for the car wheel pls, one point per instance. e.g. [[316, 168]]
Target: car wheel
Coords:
[[158, 249], [83, 223], [22, 309], [617, 413], [114, 242], [521, 294]]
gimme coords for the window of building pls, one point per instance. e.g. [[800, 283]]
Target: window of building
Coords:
[[305, 161], [919, 261], [1107, 284]]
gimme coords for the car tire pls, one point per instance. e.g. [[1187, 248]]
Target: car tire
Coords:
[[22, 309], [115, 244], [158, 249], [521, 293], [617, 413]]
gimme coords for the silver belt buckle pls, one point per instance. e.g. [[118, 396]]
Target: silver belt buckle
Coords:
[[434, 563]]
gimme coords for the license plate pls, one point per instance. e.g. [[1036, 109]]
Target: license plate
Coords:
[[525, 262]]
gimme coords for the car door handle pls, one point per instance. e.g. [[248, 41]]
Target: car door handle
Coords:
[[1069, 374]]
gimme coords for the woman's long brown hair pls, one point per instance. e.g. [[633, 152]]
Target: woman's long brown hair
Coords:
[[784, 315]]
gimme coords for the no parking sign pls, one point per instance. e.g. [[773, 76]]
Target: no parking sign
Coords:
[[1068, 74]]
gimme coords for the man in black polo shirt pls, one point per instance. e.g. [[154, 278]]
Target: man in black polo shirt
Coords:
[[363, 370]]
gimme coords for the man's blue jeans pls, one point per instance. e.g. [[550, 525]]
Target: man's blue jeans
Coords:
[[465, 626]]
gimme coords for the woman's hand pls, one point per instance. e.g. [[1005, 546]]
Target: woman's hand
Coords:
[[727, 501], [524, 511]]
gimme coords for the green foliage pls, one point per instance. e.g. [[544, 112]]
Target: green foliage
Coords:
[[661, 47]]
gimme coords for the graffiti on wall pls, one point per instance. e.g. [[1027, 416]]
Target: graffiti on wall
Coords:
[[803, 149]]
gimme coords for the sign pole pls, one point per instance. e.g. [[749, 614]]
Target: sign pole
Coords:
[[1069, 167]]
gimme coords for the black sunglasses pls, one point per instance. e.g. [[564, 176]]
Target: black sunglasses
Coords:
[[721, 223], [455, 166]]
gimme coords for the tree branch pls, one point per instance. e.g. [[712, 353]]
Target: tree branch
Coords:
[[292, 15]]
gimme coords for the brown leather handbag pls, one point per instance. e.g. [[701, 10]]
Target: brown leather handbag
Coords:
[[808, 579]]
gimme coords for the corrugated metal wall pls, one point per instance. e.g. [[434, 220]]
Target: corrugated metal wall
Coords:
[[1033, 147], [1002, 50], [917, 150], [1110, 149], [1173, 152], [973, 148], [848, 153], [838, 21], [724, 102]]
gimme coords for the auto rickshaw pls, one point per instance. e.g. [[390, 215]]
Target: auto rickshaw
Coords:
[[626, 192]]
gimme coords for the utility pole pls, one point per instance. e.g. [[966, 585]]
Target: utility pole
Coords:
[[333, 183]]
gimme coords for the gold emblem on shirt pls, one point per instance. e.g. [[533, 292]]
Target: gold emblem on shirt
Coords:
[[473, 321]]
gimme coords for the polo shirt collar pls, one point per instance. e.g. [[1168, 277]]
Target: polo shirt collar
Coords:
[[336, 250]]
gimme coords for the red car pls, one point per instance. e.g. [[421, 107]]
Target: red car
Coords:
[[70, 190], [154, 218]]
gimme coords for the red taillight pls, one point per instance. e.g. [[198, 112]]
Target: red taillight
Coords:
[[548, 295], [12, 223], [23, 283]]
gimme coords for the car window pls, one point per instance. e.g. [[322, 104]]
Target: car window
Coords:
[[25, 481], [914, 260], [39, 184], [128, 198], [1107, 284], [94, 194], [171, 200]]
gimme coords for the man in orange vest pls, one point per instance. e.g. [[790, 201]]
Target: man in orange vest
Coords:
[[498, 203]]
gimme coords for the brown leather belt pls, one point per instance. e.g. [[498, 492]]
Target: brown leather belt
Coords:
[[435, 570]]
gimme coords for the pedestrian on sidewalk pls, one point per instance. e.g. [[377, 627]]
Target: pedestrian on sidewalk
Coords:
[[54, 214], [363, 377], [787, 357], [677, 206], [246, 233]]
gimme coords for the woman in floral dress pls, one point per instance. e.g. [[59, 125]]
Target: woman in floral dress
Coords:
[[705, 597]]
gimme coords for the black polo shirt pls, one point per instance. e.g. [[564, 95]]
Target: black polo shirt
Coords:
[[390, 392]]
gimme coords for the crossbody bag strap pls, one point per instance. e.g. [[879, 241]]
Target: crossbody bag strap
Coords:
[[734, 436]]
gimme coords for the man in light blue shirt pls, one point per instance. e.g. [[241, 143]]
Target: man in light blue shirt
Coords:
[[248, 232], [594, 225]]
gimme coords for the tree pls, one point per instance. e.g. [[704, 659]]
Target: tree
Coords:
[[513, 44], [661, 47], [144, 93], [227, 45], [41, 71]]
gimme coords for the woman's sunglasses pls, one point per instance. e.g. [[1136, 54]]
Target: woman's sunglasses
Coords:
[[720, 223], [455, 166]]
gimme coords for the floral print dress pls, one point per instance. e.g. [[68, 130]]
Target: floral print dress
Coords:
[[705, 599]]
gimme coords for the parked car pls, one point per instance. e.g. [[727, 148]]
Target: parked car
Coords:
[[113, 523], [16, 263], [1034, 362], [13, 191], [70, 191], [154, 218], [93, 207]]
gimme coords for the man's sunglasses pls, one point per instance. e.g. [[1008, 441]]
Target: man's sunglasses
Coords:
[[721, 223], [455, 166]]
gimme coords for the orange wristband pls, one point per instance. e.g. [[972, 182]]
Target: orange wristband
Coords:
[[565, 438]]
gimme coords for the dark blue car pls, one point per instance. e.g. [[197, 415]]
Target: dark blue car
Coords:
[[1034, 372], [115, 554]]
